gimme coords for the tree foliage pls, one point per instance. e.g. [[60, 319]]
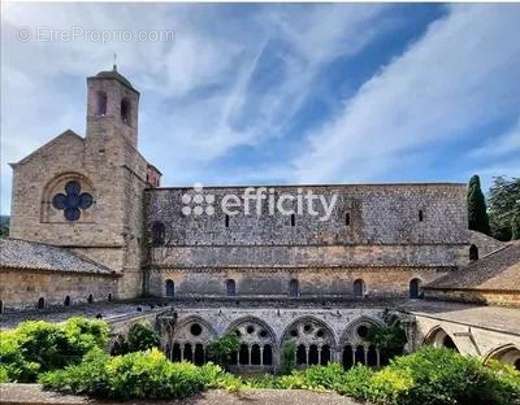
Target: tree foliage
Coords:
[[288, 358], [478, 219], [504, 207], [221, 350]]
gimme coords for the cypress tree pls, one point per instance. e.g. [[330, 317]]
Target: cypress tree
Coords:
[[515, 225], [478, 219]]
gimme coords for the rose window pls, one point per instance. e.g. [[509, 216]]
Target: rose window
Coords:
[[73, 201]]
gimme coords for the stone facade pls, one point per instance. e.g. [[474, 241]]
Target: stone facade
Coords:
[[107, 165], [266, 277]]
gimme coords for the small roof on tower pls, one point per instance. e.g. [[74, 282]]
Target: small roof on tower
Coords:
[[114, 74]]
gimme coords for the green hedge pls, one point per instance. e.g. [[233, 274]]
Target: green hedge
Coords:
[[38, 346], [139, 375]]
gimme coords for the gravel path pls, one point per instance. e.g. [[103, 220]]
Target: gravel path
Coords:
[[31, 394]]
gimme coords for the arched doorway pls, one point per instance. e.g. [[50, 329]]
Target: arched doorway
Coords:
[[359, 288], [230, 288], [170, 288], [415, 288]]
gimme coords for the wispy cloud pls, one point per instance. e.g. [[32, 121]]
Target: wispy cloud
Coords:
[[463, 73]]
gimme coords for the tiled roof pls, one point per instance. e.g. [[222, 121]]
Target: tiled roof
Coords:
[[499, 270], [23, 254]]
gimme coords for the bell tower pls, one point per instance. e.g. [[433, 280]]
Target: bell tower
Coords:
[[112, 106]]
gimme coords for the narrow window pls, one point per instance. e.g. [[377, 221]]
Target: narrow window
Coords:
[[170, 288], [67, 301], [347, 219], [421, 216], [230, 288], [90, 299], [473, 253], [125, 111], [415, 285], [293, 220], [158, 233], [359, 288], [41, 303], [101, 103], [227, 221], [294, 288], [1, 307], [109, 297]]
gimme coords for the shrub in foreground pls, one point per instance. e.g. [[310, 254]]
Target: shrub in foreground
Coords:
[[139, 375], [39, 346]]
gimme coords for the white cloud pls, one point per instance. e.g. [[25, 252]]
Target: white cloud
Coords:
[[195, 91], [507, 143], [459, 76]]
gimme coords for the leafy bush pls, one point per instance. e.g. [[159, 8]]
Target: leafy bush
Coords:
[[139, 375], [221, 350], [390, 338], [142, 337], [38, 346], [288, 358]]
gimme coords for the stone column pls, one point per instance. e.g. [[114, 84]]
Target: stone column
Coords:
[[248, 355], [181, 346], [319, 354], [378, 356], [261, 355], [306, 355], [365, 354]]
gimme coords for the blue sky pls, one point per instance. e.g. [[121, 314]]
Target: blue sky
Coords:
[[277, 94]]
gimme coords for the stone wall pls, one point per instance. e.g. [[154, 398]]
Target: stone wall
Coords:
[[312, 282], [21, 289]]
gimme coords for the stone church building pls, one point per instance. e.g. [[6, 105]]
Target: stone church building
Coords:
[[91, 222]]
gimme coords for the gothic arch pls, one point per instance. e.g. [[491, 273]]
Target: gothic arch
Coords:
[[190, 339], [314, 339], [355, 347], [438, 337], [351, 335], [509, 353], [49, 213], [257, 342]]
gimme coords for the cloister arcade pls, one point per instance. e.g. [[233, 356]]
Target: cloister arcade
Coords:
[[259, 346]]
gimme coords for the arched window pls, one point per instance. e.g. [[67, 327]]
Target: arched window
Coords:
[[294, 288], [267, 355], [359, 288], [125, 111], [170, 288], [90, 299], [230, 288], [347, 219], [1, 307], [67, 301], [293, 220], [421, 215], [41, 303], [109, 297], [473, 253], [415, 286], [101, 103], [158, 233]]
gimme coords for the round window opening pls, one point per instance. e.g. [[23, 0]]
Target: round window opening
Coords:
[[196, 329], [362, 331], [237, 332], [294, 333], [320, 333], [307, 328], [263, 333], [250, 329]]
